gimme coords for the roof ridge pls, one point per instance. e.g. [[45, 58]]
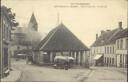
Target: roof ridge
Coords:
[[49, 37], [115, 33]]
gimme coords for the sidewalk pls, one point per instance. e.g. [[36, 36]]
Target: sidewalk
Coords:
[[83, 76], [14, 76], [121, 70]]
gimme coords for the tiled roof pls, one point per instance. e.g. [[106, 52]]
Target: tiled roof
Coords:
[[122, 34], [108, 37], [61, 39]]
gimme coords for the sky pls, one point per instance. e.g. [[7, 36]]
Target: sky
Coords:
[[84, 18]]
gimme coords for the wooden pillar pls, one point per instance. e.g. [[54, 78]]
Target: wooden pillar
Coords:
[[86, 62], [48, 55], [39, 57], [71, 53], [123, 59], [81, 58], [126, 55], [76, 57], [54, 54], [51, 57]]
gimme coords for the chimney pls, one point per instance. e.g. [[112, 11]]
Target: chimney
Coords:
[[102, 32], [108, 30], [96, 36], [120, 25]]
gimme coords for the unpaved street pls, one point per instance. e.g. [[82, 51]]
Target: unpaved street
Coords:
[[106, 74], [41, 73], [37, 73]]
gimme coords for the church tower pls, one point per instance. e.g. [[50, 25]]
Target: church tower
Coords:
[[33, 23]]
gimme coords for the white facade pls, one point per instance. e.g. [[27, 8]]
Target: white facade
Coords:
[[109, 55], [99, 50], [114, 54], [108, 52], [122, 51]]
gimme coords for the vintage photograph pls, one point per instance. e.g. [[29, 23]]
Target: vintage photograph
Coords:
[[63, 40]]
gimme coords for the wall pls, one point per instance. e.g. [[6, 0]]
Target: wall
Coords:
[[122, 51], [109, 55]]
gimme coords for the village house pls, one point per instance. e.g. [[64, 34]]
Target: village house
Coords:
[[103, 49], [8, 24], [61, 42], [24, 37], [19, 42], [122, 48]]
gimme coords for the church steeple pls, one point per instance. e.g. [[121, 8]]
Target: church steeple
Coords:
[[33, 25]]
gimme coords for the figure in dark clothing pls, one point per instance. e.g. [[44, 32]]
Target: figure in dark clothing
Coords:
[[29, 59], [66, 65]]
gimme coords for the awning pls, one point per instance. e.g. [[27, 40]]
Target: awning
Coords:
[[7, 71], [97, 57]]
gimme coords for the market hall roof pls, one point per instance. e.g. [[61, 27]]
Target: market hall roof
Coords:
[[61, 39]]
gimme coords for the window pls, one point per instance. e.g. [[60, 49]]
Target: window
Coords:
[[104, 59], [3, 32], [126, 43], [7, 33], [117, 44], [126, 59], [94, 51], [110, 50], [112, 61], [121, 44], [107, 60], [5, 57], [105, 50], [113, 49], [120, 58]]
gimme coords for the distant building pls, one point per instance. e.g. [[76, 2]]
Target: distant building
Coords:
[[61, 41], [122, 48], [7, 25], [25, 38], [20, 42], [103, 49], [33, 25]]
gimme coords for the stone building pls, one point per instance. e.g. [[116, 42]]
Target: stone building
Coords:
[[61, 41], [8, 24], [103, 49]]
